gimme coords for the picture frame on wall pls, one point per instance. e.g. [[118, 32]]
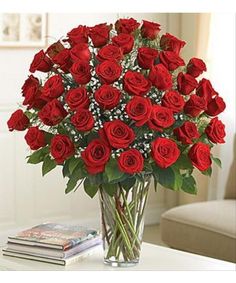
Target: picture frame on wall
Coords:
[[23, 30]]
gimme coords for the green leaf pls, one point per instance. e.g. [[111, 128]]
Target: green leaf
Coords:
[[128, 183], [110, 189], [112, 170], [70, 185], [38, 156], [65, 169], [217, 161], [89, 188], [207, 172], [48, 137], [73, 163], [48, 165], [183, 162], [189, 185]]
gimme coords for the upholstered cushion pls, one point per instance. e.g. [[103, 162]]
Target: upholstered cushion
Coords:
[[207, 228]]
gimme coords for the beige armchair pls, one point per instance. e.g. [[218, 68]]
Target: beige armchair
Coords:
[[205, 228]]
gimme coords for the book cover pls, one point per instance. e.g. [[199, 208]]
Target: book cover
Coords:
[[53, 235]]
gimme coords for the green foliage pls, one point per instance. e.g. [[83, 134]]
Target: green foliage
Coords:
[[217, 161], [38, 156], [110, 188], [189, 185], [183, 162], [48, 165], [112, 171], [128, 183], [89, 188], [207, 172]]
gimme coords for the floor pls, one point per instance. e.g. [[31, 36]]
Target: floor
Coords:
[[152, 234]]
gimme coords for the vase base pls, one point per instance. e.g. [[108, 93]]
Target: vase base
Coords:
[[120, 263]]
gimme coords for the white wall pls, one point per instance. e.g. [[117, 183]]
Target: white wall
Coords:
[[25, 197]]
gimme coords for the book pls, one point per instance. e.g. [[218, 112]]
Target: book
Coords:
[[51, 252], [53, 235], [72, 259]]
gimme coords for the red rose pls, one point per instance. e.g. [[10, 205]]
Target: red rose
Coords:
[[80, 52], [83, 120], [53, 88], [139, 109], [107, 96], [52, 113], [205, 90], [18, 121], [160, 77], [161, 117], [110, 52], [186, 83], [95, 156], [171, 43], [165, 152], [54, 49], [131, 161], [61, 148], [80, 71], [146, 57], [35, 138], [195, 105], [77, 98], [108, 71], [196, 67], [171, 60], [199, 154], [150, 30], [173, 100], [32, 93], [124, 41], [135, 83], [215, 106], [78, 35], [126, 25], [40, 63], [100, 34], [117, 134], [216, 131], [63, 60], [187, 132]]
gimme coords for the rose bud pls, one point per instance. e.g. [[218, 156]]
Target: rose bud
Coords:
[[199, 154], [100, 34], [215, 106], [78, 35], [124, 41], [164, 152], [150, 30], [63, 60], [126, 25], [186, 83], [131, 161], [81, 72], [77, 98], [40, 63], [173, 100], [216, 131], [95, 156], [171, 60], [205, 90], [108, 71], [109, 52], [136, 84], [187, 132], [107, 97], [53, 88], [146, 57], [160, 77], [83, 120], [18, 121], [54, 49], [171, 43], [80, 52], [196, 67], [35, 138], [195, 105], [61, 148]]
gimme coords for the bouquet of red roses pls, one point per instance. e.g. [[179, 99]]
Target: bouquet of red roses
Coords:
[[117, 103]]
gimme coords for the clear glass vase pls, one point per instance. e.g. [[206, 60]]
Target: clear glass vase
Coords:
[[123, 222]]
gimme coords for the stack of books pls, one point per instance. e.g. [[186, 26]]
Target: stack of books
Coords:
[[54, 243]]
